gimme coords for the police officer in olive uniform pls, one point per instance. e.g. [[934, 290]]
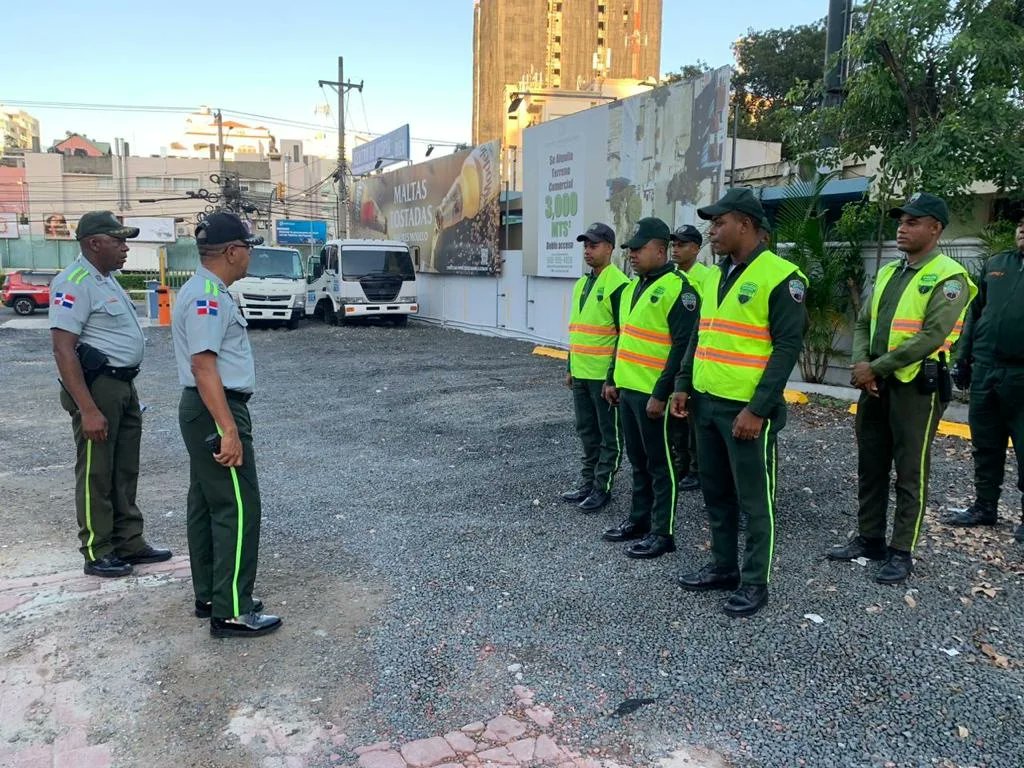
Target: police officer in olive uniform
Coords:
[[900, 344], [98, 345], [657, 314], [215, 366], [593, 331], [990, 360], [686, 244], [730, 384]]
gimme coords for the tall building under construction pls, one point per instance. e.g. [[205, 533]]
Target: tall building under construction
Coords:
[[564, 44]]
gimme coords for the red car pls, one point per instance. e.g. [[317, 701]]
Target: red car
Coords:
[[28, 289]]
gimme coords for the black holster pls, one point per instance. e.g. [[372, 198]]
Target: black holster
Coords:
[[93, 362]]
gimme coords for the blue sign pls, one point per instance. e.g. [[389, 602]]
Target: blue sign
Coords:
[[297, 232], [388, 149]]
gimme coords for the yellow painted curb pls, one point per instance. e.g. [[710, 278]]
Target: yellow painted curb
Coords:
[[557, 354], [949, 428], [795, 397]]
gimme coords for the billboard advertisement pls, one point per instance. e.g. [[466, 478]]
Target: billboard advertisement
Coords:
[[55, 227], [8, 226], [300, 232], [152, 229], [390, 148], [659, 153], [447, 206]]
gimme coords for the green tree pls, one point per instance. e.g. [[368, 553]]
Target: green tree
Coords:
[[686, 72], [830, 257], [778, 71], [935, 92]]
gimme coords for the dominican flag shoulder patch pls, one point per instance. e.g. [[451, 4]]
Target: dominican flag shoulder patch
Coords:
[[61, 299], [206, 307]]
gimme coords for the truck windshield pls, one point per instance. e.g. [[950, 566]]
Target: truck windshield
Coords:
[[356, 264], [275, 262]]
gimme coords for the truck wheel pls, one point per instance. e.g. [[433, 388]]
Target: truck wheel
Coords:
[[23, 305], [293, 323], [400, 321]]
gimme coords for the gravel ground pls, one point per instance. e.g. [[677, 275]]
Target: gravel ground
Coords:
[[422, 467]]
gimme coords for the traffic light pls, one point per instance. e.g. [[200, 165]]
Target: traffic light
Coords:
[[281, 188]]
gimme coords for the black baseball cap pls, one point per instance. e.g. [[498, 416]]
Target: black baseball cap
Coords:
[[224, 227], [598, 233], [687, 234], [103, 223], [736, 200], [647, 229], [923, 204]]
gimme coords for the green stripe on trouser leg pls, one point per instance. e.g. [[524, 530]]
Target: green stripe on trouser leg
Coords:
[[654, 488], [107, 472], [223, 517], [737, 476]]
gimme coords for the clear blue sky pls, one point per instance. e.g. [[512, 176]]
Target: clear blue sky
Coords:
[[415, 57]]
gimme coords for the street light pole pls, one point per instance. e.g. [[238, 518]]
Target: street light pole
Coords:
[[342, 88]]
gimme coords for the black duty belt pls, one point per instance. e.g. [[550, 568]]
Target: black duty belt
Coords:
[[121, 374], [230, 394]]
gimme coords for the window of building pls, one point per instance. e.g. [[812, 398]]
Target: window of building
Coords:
[[149, 182], [184, 185], [600, 25], [105, 184], [556, 71]]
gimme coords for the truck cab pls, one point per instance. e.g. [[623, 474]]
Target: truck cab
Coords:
[[353, 279], [274, 288]]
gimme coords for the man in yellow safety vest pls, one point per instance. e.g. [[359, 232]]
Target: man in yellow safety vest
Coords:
[[657, 313], [900, 347], [730, 386], [593, 331]]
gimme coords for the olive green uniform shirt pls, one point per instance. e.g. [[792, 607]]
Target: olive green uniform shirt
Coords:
[[939, 319]]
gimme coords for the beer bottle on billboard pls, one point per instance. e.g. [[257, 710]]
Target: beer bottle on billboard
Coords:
[[476, 184]]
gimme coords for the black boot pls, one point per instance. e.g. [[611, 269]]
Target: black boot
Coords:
[[858, 546], [896, 569], [979, 513], [576, 495]]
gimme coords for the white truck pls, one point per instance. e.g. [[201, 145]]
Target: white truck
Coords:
[[274, 288], [354, 279]]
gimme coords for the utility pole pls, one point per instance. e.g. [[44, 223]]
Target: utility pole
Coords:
[[342, 88]]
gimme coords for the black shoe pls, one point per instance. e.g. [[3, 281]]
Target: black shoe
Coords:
[[651, 546], [148, 554], [109, 566], [594, 501], [858, 546], [690, 482], [710, 577], [250, 624], [625, 531], [896, 569], [979, 513], [204, 610], [747, 600], [577, 494]]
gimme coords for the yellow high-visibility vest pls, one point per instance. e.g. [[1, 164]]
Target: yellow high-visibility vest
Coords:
[[644, 338], [913, 305], [592, 333], [734, 340]]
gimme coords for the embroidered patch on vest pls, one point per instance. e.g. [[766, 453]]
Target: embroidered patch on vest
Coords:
[[797, 290], [688, 300], [747, 291], [600, 294], [658, 293], [929, 279], [952, 289]]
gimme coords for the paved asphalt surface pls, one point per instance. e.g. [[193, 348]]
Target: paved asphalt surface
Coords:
[[432, 460]]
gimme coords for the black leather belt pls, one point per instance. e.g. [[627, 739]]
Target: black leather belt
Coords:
[[121, 374], [230, 394]]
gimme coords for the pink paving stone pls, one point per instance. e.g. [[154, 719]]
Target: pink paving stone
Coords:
[[499, 755], [522, 692], [380, 746], [547, 751], [504, 728], [450, 765], [386, 759], [75, 738], [476, 727], [97, 756], [427, 752], [522, 750], [335, 757], [10, 602], [33, 757], [460, 742], [542, 716]]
